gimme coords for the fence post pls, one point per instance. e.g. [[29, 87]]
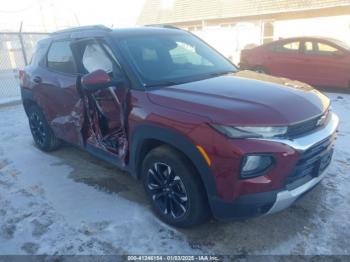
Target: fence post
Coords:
[[22, 44]]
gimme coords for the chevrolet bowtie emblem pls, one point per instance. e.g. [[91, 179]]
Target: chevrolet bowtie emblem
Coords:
[[322, 120]]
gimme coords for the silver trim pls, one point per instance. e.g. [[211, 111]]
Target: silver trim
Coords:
[[305, 142], [286, 198]]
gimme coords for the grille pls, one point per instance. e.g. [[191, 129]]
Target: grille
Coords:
[[312, 162], [306, 126]]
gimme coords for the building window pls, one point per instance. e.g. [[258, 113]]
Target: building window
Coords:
[[268, 32], [227, 25], [195, 28]]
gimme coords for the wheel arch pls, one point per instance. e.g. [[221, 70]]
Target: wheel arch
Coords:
[[28, 99], [147, 137]]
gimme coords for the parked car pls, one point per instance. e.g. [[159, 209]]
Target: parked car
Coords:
[[321, 62], [204, 138]]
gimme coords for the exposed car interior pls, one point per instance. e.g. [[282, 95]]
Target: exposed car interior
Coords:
[[106, 114]]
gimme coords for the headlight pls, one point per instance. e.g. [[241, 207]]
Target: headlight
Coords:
[[251, 132]]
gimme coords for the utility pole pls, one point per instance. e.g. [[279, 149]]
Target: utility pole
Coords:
[[22, 44]]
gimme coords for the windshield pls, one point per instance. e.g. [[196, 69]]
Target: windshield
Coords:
[[167, 59]]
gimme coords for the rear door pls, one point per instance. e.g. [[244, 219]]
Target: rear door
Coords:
[[55, 90], [325, 64], [285, 59]]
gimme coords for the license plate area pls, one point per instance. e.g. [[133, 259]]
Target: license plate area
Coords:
[[324, 162]]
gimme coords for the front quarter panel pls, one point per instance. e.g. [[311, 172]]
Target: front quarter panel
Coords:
[[150, 121]]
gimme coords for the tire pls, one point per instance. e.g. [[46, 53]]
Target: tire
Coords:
[[42, 133], [179, 199]]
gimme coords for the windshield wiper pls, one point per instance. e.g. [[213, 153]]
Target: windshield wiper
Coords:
[[161, 84], [172, 83], [221, 73]]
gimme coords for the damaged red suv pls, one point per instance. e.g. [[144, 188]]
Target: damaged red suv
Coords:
[[204, 138]]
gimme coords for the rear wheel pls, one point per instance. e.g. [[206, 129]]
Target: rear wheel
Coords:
[[174, 188], [42, 133]]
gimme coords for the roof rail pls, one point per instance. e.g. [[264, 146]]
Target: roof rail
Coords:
[[80, 29], [164, 26]]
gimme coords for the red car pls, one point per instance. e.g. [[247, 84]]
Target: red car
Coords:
[[321, 62], [204, 138]]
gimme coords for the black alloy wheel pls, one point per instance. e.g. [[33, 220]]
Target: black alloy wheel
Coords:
[[167, 190], [42, 133], [37, 128], [174, 187]]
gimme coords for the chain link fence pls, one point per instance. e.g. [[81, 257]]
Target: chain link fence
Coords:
[[15, 50]]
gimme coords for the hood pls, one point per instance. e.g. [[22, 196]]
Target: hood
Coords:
[[244, 98]]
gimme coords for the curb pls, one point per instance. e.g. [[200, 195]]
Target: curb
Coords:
[[11, 103]]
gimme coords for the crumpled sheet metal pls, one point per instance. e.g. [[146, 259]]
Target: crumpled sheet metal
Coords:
[[81, 125], [95, 136]]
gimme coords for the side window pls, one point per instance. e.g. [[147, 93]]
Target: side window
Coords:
[[60, 57], [95, 58], [290, 47], [309, 46], [325, 49]]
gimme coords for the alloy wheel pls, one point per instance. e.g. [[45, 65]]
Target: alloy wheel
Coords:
[[37, 128], [167, 190]]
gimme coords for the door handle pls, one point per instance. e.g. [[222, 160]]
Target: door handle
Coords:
[[37, 79]]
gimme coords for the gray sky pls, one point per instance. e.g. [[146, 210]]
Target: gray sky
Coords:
[[50, 15]]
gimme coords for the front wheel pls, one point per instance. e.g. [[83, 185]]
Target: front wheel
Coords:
[[174, 188], [42, 133]]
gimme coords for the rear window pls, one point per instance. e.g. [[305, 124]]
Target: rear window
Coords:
[[60, 57], [324, 48]]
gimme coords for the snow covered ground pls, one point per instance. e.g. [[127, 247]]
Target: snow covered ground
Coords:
[[68, 202]]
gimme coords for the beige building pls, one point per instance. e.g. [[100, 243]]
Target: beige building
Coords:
[[231, 25]]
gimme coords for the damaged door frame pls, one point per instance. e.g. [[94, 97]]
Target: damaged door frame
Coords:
[[92, 135]]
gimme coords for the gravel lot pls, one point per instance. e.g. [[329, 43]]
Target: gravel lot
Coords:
[[69, 202]]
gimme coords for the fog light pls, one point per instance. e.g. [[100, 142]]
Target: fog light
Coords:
[[255, 165]]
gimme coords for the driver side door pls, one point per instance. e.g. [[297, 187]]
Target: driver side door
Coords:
[[104, 106]]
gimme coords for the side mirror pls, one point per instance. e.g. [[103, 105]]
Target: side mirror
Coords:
[[96, 80]]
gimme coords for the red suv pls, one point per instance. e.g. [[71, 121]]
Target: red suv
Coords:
[[320, 62], [204, 138]]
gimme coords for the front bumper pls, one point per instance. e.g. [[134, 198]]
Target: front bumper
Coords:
[[286, 198], [275, 201]]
